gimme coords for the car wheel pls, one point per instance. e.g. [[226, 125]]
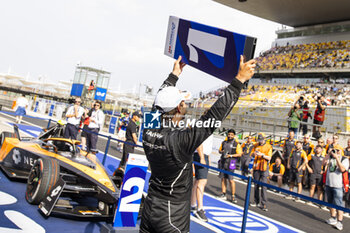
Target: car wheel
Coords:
[[4, 135], [42, 178]]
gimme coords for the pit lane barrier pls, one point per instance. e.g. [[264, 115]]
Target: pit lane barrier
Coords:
[[249, 179]]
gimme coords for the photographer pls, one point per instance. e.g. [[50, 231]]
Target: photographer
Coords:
[[294, 115], [336, 165], [319, 115], [306, 116], [86, 122]]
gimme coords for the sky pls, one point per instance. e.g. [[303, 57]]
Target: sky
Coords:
[[47, 39]]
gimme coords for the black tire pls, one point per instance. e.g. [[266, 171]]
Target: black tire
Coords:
[[42, 178], [4, 135]]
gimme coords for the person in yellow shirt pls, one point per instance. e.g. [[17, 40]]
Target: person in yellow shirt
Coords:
[[230, 150], [262, 155], [276, 172], [296, 162]]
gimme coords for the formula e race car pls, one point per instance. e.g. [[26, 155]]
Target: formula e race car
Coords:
[[61, 178]]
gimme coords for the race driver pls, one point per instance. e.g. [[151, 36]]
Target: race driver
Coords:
[[169, 150]]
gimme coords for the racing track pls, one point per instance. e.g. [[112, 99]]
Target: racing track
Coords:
[[298, 215]]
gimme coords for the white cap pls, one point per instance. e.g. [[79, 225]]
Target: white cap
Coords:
[[170, 97]]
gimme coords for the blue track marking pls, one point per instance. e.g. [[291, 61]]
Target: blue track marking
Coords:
[[228, 218]]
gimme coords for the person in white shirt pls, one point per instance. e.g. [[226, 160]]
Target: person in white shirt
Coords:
[[21, 104], [73, 115], [97, 120], [201, 174]]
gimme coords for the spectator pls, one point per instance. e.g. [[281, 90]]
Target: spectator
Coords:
[[319, 115], [296, 162], [336, 165], [131, 138], [315, 169], [86, 123], [294, 115], [276, 171], [74, 113], [230, 150], [262, 155], [22, 104], [201, 174], [247, 149], [306, 116], [97, 120]]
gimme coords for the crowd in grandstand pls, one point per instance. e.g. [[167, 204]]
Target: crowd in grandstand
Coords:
[[335, 54], [335, 95]]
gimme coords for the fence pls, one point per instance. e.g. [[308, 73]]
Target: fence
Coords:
[[249, 179]]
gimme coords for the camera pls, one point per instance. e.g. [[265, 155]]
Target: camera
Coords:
[[333, 151]]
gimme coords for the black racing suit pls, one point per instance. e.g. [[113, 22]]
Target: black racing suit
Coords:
[[169, 152]]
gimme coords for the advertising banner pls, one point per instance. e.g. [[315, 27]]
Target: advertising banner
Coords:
[[77, 89], [100, 94], [212, 50], [112, 124]]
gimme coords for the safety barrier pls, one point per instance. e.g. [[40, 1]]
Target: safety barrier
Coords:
[[248, 190], [249, 179]]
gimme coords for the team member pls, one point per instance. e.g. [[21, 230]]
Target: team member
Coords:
[[230, 150], [22, 104], [308, 147], [288, 146], [247, 149], [131, 138], [320, 142], [336, 165], [201, 174], [262, 156], [169, 151], [296, 162], [347, 195], [97, 120], [73, 115], [276, 172], [314, 167]]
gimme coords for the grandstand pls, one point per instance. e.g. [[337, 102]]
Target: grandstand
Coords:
[[317, 47]]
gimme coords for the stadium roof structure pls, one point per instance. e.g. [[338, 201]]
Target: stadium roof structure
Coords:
[[294, 13]]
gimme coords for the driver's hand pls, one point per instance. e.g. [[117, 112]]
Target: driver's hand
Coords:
[[178, 66], [246, 69]]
